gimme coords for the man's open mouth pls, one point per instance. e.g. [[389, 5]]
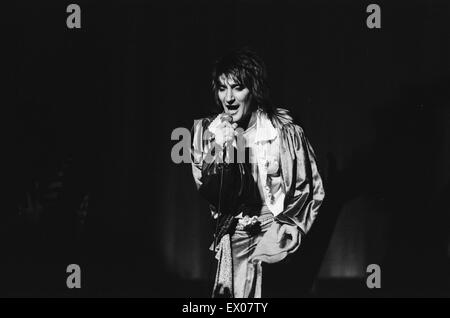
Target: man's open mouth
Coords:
[[232, 107]]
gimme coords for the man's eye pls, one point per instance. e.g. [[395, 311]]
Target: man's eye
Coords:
[[222, 88], [239, 87]]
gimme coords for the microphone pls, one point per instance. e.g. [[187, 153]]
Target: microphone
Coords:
[[224, 118]]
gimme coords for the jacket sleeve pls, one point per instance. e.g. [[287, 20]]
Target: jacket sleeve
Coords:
[[304, 187], [197, 151], [205, 153], [218, 182]]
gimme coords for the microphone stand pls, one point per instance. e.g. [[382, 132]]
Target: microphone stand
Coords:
[[219, 205], [219, 213]]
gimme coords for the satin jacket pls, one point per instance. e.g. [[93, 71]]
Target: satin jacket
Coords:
[[303, 187]]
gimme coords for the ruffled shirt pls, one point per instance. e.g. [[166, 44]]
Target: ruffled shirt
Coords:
[[263, 141]]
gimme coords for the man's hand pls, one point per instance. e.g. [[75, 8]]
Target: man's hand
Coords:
[[277, 242], [289, 232], [225, 133]]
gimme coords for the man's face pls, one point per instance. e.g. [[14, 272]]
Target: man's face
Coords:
[[235, 98]]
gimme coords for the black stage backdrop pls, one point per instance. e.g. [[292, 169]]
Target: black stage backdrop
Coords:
[[89, 114]]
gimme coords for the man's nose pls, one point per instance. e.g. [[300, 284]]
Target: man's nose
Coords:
[[229, 98]]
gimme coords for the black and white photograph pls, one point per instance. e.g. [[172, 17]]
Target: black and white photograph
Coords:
[[226, 149]]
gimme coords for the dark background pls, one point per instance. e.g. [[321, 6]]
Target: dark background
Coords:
[[98, 104]]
